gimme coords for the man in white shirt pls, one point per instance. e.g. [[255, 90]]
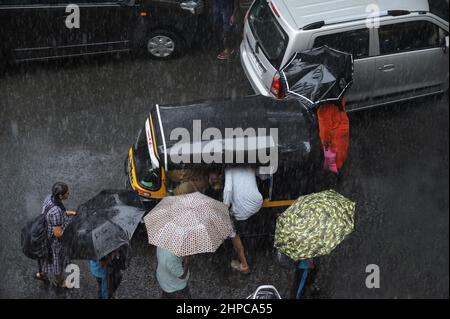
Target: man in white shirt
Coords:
[[241, 192]]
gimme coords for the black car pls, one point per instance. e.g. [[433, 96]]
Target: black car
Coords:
[[48, 29]]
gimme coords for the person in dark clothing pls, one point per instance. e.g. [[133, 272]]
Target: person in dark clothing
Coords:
[[225, 14]]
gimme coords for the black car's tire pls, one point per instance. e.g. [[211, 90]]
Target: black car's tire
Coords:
[[164, 44]]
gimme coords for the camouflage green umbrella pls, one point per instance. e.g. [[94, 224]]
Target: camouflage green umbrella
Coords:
[[314, 225]]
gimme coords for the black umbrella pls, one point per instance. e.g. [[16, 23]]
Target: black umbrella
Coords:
[[319, 75], [102, 225]]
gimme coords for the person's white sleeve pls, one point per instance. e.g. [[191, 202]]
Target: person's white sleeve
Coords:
[[228, 188]]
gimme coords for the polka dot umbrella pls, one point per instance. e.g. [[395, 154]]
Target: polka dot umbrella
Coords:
[[188, 224]]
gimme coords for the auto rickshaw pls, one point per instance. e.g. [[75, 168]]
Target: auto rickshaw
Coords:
[[287, 130], [181, 137]]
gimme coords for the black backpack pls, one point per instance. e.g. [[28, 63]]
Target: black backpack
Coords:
[[34, 240]]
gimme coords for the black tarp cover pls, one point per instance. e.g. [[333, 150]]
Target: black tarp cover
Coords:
[[318, 75], [293, 119]]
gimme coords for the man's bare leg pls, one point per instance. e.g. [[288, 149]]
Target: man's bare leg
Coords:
[[239, 249]]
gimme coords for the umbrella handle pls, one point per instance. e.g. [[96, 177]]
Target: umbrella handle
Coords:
[[302, 284]]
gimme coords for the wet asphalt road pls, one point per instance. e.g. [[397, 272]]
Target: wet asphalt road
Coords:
[[74, 121]]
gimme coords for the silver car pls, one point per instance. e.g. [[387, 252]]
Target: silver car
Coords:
[[400, 48]]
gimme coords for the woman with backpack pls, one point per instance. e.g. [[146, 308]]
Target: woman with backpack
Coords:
[[57, 218]]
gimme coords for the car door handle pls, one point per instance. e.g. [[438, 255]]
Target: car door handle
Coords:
[[387, 68]]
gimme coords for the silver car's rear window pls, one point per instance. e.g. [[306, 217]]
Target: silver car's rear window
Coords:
[[269, 35]]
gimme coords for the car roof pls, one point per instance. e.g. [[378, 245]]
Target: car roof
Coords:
[[305, 12]]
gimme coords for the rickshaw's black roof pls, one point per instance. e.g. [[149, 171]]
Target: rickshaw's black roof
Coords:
[[293, 118]]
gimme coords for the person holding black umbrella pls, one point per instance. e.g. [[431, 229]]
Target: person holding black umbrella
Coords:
[[101, 233], [108, 272]]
